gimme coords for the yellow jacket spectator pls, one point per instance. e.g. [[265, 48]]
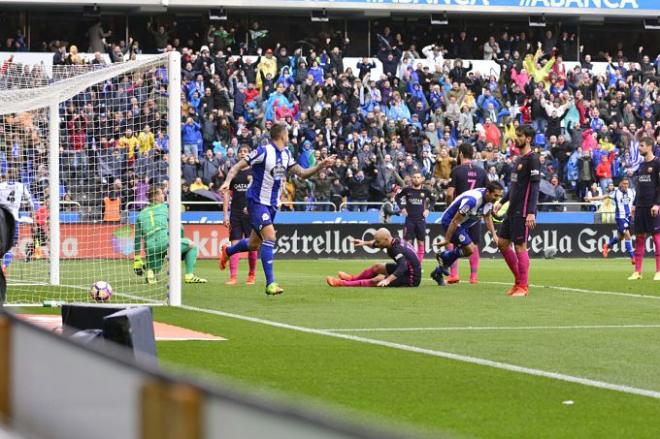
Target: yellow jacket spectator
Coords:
[[130, 143], [146, 140], [267, 64], [198, 185], [539, 74]]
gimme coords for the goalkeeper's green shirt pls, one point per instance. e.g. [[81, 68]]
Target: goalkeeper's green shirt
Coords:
[[152, 226]]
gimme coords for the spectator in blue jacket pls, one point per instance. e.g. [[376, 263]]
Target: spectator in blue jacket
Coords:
[[191, 138]]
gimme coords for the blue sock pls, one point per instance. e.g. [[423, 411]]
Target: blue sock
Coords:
[[613, 240], [629, 247], [267, 248], [240, 247], [7, 259], [450, 256]]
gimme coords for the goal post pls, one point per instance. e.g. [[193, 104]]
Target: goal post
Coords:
[[80, 146]]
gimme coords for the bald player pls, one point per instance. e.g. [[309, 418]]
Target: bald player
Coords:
[[406, 271]]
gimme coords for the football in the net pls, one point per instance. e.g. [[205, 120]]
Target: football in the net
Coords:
[[101, 291]]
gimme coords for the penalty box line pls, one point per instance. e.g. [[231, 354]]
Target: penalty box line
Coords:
[[436, 353], [495, 328], [581, 290]]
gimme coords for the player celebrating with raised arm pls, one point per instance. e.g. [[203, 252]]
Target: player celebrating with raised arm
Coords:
[[12, 193], [270, 165], [457, 221], [646, 207], [406, 271], [415, 203], [239, 220], [623, 198], [521, 216], [152, 227], [463, 178]]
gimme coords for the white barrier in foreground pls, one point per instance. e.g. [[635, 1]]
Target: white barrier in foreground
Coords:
[[479, 65], [52, 387]]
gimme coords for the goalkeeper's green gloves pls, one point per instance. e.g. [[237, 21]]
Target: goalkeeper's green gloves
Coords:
[[138, 266]]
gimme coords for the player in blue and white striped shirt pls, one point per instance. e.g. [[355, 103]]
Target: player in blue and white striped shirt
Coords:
[[270, 166], [12, 194], [623, 198], [465, 211]]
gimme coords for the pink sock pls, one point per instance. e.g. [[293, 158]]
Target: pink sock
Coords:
[[512, 261], [252, 261], [474, 264], [364, 283], [523, 268], [656, 240], [640, 240], [421, 249], [233, 265], [366, 274], [453, 271]]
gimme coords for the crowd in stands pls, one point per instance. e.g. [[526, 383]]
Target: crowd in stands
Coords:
[[383, 128]]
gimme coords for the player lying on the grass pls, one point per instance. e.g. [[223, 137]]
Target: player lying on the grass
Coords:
[[463, 213], [623, 198], [151, 227], [270, 165], [406, 271]]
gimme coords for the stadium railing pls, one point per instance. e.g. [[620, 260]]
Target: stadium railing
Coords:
[[55, 387], [367, 204]]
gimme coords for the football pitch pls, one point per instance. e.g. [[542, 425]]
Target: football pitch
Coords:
[[579, 357]]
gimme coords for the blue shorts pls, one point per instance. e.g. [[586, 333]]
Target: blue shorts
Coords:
[[622, 225], [260, 215], [461, 236]]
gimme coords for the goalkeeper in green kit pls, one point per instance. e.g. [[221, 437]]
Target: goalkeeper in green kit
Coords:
[[152, 227]]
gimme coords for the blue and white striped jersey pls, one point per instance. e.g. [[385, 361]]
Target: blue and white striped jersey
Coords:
[[472, 204], [269, 171], [12, 195], [623, 202]]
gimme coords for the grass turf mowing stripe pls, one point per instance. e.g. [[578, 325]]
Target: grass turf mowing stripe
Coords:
[[496, 328], [441, 354]]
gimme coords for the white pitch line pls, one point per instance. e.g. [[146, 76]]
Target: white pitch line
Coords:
[[495, 328], [582, 290], [441, 354]]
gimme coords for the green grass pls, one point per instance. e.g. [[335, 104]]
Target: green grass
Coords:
[[432, 394], [435, 394]]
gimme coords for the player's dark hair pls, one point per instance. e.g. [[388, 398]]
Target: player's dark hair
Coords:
[[494, 186], [648, 141], [467, 150], [277, 131], [526, 130], [153, 190]]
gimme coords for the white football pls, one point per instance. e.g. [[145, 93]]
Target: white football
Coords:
[[101, 291]]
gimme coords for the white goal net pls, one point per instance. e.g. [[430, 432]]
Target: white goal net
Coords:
[[80, 146]]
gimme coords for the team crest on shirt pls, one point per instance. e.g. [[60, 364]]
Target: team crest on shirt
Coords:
[[650, 170], [278, 172], [265, 217], [520, 166]]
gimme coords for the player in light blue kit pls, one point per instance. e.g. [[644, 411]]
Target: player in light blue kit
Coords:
[[623, 198], [270, 167], [464, 212]]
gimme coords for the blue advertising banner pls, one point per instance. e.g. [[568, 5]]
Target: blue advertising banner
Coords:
[[552, 5], [373, 217]]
